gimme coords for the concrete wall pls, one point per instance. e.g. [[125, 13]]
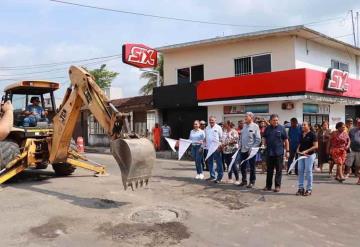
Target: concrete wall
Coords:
[[218, 60], [310, 54], [337, 114], [287, 53]]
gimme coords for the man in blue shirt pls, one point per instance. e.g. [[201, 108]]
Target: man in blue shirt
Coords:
[[294, 140], [276, 140], [34, 113]]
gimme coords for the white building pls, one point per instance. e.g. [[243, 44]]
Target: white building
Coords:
[[279, 71]]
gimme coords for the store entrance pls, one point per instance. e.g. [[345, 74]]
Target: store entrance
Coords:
[[315, 118]]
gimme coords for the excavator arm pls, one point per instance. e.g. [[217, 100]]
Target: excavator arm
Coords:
[[135, 156]]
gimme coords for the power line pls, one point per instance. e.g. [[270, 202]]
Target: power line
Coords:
[[54, 70], [155, 16], [55, 64], [183, 19], [29, 79]]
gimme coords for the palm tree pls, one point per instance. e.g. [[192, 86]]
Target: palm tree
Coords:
[[152, 77]]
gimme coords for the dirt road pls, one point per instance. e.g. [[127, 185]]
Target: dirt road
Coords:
[[39, 209]]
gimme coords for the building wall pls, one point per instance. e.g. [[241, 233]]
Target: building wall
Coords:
[[310, 54], [337, 114], [287, 53], [218, 60], [274, 107]]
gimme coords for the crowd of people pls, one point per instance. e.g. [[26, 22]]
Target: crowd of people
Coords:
[[279, 145]]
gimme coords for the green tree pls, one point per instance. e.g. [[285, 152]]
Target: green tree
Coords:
[[152, 77], [103, 76]]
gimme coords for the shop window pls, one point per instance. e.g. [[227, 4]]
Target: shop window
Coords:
[[243, 66], [183, 75], [94, 126], [190, 74], [262, 64], [242, 109], [335, 64], [313, 119], [197, 73], [253, 65]]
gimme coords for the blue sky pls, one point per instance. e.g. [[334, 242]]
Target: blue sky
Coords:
[[40, 31]]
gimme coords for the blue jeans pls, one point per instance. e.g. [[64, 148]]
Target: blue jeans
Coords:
[[197, 155], [31, 120], [219, 165], [243, 167], [305, 167]]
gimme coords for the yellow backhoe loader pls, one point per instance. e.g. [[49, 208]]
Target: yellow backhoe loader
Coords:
[[35, 144]]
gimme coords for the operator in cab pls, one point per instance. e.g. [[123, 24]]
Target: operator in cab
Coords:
[[7, 119], [34, 113]]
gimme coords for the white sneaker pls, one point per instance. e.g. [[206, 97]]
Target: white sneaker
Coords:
[[201, 176], [197, 176], [237, 182]]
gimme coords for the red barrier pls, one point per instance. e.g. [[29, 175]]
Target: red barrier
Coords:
[[80, 144]]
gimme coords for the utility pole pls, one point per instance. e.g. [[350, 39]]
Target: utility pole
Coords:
[[357, 28], [353, 26]]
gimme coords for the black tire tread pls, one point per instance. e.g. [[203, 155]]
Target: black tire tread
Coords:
[[8, 151], [63, 169]]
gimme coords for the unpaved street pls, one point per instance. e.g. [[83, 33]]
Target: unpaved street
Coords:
[[39, 209]]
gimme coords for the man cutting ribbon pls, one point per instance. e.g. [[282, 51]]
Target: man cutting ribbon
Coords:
[[250, 138]]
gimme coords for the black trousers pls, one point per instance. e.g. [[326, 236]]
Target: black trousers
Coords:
[[234, 169], [274, 162]]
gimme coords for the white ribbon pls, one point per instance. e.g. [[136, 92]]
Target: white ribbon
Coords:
[[292, 166], [172, 143], [184, 144], [253, 152], [213, 146]]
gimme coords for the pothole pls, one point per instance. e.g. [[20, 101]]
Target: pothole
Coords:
[[156, 215]]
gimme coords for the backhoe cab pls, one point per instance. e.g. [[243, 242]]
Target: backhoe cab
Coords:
[[42, 133]]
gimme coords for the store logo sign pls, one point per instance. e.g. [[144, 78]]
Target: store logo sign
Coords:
[[139, 55], [337, 80]]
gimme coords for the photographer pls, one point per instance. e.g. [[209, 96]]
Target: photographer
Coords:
[[7, 119]]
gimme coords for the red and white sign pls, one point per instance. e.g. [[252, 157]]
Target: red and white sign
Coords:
[[139, 55], [337, 80]]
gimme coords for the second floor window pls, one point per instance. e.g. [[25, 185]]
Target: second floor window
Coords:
[[335, 64], [253, 65], [190, 74]]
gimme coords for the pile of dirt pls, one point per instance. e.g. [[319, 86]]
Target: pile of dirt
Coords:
[[162, 234]]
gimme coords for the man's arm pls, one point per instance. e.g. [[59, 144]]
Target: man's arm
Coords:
[[286, 142], [7, 120], [257, 137]]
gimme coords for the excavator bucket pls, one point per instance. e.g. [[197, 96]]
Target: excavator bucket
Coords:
[[136, 158]]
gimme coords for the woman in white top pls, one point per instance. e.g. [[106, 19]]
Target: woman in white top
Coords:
[[197, 137]]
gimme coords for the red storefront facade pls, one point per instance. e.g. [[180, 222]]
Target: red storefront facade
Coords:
[[303, 93]]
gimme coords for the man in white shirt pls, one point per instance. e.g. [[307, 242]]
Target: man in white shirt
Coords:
[[213, 134]]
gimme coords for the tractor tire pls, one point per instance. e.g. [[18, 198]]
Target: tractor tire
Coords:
[[63, 169], [8, 151]]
